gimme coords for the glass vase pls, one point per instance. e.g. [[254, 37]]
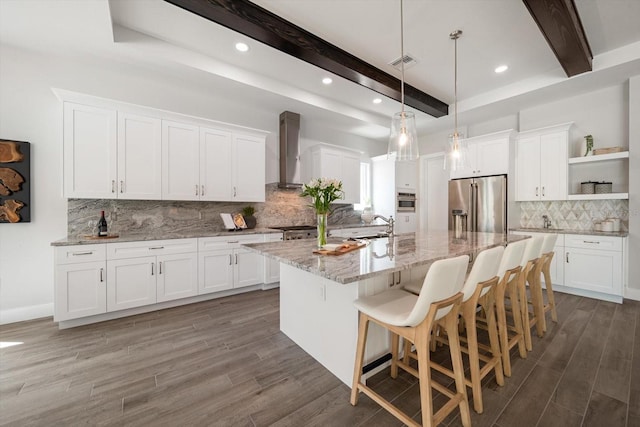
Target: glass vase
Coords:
[[322, 229]]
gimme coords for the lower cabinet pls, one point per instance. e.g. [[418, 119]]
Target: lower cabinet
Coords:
[[132, 283], [223, 264], [272, 266]]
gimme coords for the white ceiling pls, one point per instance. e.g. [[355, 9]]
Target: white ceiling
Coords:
[[153, 32]]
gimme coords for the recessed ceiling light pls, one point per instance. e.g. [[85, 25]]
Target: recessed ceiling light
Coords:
[[501, 69], [377, 101], [242, 47], [327, 80]]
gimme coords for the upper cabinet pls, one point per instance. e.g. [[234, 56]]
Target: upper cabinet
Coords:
[[114, 150], [541, 164], [332, 162], [488, 155]]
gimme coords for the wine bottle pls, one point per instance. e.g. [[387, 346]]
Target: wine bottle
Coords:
[[102, 225]]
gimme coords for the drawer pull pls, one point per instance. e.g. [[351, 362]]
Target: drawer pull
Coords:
[[101, 275], [233, 241], [399, 277], [156, 247], [567, 257], [82, 253], [591, 242]]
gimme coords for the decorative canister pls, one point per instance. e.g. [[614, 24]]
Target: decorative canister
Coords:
[[588, 187], [616, 223], [603, 187]]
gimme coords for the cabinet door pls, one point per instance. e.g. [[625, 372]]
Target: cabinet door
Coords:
[[215, 165], [180, 161], [470, 169], [406, 223], [177, 276], [90, 150], [492, 157], [80, 290], [407, 175], [330, 165], [131, 283], [215, 271], [248, 169], [139, 157], [437, 196], [528, 169], [272, 266], [593, 270], [248, 268], [350, 179], [553, 166]]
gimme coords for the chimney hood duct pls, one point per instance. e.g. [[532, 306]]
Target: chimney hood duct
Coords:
[[289, 150]]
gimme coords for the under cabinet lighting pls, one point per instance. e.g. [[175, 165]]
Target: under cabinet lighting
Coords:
[[242, 47]]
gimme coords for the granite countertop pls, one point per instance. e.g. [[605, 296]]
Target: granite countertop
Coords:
[[133, 237], [381, 256], [357, 225], [563, 231]]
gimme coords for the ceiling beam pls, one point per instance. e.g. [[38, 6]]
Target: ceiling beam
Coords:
[[253, 21], [560, 24]]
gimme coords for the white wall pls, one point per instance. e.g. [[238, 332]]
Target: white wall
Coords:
[[29, 111], [634, 187]]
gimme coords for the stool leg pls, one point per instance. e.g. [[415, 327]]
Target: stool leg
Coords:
[[547, 281], [407, 351], [424, 373], [451, 326], [517, 319], [503, 335], [524, 310], [489, 308], [395, 345], [363, 327], [469, 315], [535, 290]]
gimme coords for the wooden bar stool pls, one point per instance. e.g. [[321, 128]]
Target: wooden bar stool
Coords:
[[412, 317], [479, 289], [511, 334], [529, 263], [548, 246]]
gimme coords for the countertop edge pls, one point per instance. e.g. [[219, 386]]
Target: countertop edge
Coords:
[[563, 231]]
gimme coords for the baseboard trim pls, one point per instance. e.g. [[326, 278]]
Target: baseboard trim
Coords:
[[22, 314], [631, 293]]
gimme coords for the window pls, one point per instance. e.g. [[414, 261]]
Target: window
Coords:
[[365, 187]]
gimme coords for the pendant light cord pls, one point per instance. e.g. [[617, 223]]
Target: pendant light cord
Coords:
[[455, 35], [402, 56]]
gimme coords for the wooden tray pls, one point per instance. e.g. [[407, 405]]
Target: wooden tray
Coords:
[[93, 237], [347, 247], [607, 150]]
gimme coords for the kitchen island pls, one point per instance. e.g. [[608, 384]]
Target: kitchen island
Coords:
[[317, 291]]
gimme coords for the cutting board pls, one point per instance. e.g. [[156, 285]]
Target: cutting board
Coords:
[[94, 237], [347, 247]]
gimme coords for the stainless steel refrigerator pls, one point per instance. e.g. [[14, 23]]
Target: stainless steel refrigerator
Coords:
[[478, 204]]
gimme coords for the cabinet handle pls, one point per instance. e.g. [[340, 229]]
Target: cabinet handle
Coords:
[[101, 275], [567, 257], [160, 267], [152, 248], [236, 259], [392, 279], [233, 241], [82, 253], [399, 277], [202, 190], [537, 192], [152, 268], [113, 185], [543, 191], [196, 189], [121, 186], [235, 193], [591, 242], [229, 259]]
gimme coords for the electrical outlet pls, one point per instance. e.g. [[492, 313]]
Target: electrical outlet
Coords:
[[114, 216]]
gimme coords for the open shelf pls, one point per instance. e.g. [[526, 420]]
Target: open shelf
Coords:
[[606, 196], [599, 158]]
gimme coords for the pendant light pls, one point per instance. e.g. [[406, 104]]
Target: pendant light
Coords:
[[403, 137], [457, 150]]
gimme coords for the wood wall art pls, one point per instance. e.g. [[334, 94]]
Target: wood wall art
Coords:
[[15, 181]]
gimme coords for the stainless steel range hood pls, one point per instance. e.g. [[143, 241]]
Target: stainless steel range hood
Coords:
[[289, 150]]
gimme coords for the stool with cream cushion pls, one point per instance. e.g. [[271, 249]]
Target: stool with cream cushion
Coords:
[[529, 263], [479, 289], [412, 317], [548, 246], [509, 275]]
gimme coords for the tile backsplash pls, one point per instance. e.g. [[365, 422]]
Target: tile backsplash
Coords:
[[281, 207], [574, 214]]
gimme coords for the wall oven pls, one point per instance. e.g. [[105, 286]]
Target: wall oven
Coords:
[[406, 202]]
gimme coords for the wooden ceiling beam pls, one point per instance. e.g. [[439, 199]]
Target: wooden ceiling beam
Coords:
[[259, 24], [560, 24]]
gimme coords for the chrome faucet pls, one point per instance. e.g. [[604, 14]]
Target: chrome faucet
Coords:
[[390, 222], [547, 221]]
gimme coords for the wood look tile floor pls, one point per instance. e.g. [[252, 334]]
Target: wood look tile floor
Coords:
[[225, 363]]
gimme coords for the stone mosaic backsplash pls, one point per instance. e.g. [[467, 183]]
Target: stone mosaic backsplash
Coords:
[[281, 208], [574, 214]]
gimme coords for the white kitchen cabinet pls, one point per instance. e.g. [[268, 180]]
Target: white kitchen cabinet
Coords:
[[139, 157], [142, 273], [90, 152], [248, 168], [180, 161], [388, 179], [272, 266], [541, 164], [80, 282], [487, 155], [224, 264], [216, 180], [406, 175], [344, 165], [405, 223]]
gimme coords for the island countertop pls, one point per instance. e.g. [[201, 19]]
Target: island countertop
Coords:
[[381, 256]]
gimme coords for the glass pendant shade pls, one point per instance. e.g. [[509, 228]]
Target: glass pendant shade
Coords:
[[403, 139], [457, 152]]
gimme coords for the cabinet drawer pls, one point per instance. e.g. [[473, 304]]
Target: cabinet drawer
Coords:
[[150, 248], [585, 241], [80, 253], [227, 242]]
